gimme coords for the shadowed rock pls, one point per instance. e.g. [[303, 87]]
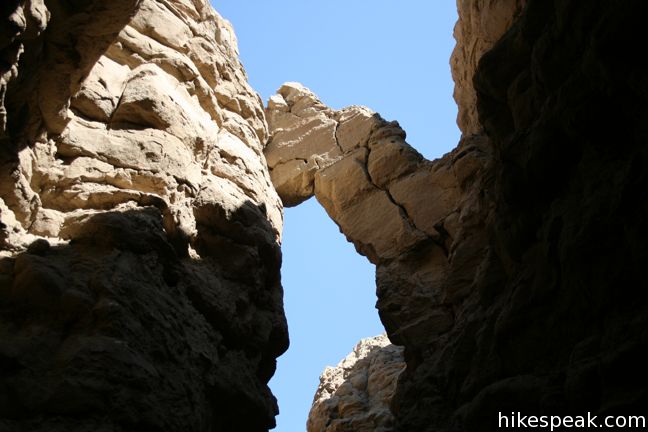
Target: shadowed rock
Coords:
[[510, 268], [140, 230], [139, 285]]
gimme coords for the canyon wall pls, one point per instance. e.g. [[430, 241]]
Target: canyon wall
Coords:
[[564, 101], [510, 268], [480, 24], [140, 230], [139, 272]]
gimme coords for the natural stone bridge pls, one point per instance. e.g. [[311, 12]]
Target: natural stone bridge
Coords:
[[140, 225]]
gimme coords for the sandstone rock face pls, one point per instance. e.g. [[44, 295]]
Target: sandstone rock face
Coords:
[[139, 230], [511, 268], [355, 395], [360, 169], [418, 221], [565, 327], [139, 272], [421, 222], [481, 23]]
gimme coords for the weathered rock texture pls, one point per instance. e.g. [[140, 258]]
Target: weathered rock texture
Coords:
[[361, 170], [139, 272], [481, 23], [511, 268], [419, 221], [355, 395]]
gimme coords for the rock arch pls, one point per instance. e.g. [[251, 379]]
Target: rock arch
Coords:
[[511, 269], [488, 265], [419, 222]]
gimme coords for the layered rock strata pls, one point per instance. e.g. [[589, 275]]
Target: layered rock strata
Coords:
[[354, 396], [139, 272]]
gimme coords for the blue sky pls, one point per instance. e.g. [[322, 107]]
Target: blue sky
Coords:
[[394, 60]]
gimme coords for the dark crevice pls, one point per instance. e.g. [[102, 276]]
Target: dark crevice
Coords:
[[288, 161], [337, 140], [386, 190]]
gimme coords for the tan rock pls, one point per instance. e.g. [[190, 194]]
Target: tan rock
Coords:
[[138, 214], [348, 159], [355, 127], [139, 229], [390, 159], [419, 221], [481, 23], [439, 184], [355, 395], [304, 141]]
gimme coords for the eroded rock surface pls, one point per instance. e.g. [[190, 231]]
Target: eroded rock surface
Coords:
[[421, 222], [510, 268], [480, 25], [354, 396], [361, 170], [139, 272], [418, 221]]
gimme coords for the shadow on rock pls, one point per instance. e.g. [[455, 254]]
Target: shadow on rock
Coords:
[[114, 331]]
